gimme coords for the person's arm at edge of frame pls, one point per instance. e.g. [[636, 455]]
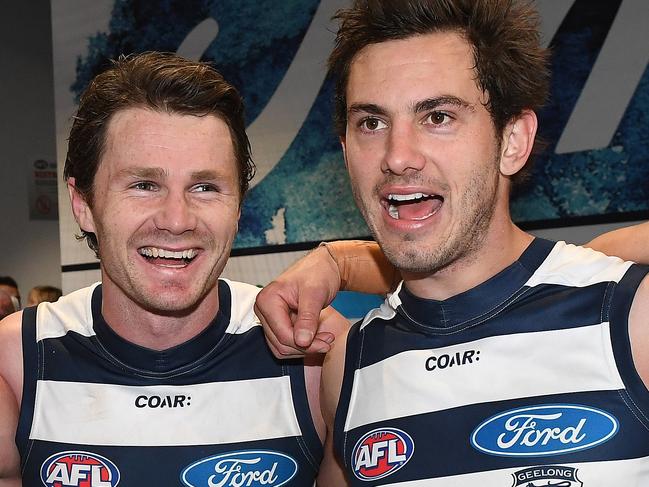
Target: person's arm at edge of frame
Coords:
[[628, 243], [9, 410], [331, 471]]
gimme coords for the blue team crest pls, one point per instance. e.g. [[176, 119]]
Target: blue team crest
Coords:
[[247, 467], [537, 431]]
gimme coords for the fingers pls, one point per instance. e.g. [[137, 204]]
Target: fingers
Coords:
[[312, 300]]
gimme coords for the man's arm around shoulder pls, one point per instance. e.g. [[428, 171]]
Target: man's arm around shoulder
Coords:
[[10, 393]]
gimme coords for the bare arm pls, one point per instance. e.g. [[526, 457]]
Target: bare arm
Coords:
[[629, 243], [10, 382], [331, 471], [639, 331]]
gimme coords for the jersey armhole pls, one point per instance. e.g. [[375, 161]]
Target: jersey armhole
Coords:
[[352, 358], [31, 371], [310, 439], [621, 302]]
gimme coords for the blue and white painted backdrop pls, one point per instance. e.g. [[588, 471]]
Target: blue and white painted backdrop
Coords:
[[596, 166]]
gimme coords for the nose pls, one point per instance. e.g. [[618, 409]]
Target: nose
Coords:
[[176, 213], [403, 150]]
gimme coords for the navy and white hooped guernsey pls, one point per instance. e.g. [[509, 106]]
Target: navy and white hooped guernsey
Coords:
[[218, 410], [526, 380]]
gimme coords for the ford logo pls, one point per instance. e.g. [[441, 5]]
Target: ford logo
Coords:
[[537, 431], [236, 469]]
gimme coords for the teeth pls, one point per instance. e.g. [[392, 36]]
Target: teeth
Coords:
[[406, 197], [168, 254], [393, 212]]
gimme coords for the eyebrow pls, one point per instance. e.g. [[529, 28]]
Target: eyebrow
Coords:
[[433, 103], [419, 107], [160, 173]]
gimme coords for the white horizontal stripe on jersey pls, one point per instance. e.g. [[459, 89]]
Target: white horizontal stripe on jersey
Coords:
[[213, 413], [508, 367], [623, 473]]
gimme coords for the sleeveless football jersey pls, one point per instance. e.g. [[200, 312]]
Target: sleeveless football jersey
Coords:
[[525, 380], [218, 410]]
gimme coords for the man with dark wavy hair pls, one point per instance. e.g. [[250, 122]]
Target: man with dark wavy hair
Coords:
[[158, 375], [500, 359]]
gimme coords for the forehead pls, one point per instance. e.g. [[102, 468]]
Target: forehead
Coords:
[[143, 136], [415, 68], [12, 291]]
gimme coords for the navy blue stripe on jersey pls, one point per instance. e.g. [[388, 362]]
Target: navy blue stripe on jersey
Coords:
[[30, 376], [217, 366], [310, 441], [533, 309], [490, 297], [161, 463], [621, 302], [439, 450]]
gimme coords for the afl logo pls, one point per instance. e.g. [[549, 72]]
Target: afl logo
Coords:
[[538, 431], [381, 452], [79, 469]]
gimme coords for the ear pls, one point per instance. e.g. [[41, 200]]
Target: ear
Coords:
[[518, 141], [80, 208]]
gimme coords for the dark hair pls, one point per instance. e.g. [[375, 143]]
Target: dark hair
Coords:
[[160, 81], [8, 281], [510, 64]]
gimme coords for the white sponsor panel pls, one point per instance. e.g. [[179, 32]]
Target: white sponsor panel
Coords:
[[458, 377], [101, 414], [626, 473]]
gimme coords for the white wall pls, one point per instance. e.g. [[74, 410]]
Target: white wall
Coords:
[[29, 250]]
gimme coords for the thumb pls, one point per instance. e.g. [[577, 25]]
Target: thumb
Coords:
[[311, 302]]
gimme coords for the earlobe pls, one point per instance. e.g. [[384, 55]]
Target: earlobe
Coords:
[[80, 208], [518, 141]]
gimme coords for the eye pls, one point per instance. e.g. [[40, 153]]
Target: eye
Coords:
[[203, 188], [438, 118], [145, 186], [371, 124]]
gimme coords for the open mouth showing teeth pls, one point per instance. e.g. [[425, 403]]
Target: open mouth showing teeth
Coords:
[[169, 257], [414, 206]]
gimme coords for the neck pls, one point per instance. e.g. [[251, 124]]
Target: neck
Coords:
[[502, 246], [152, 329]]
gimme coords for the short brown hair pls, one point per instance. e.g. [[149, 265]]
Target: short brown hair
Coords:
[[511, 66], [160, 81]]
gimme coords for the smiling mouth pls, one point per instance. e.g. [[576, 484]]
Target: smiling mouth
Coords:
[[413, 206], [168, 258]]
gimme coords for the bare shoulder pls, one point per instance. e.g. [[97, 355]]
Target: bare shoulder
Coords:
[[639, 330], [11, 353]]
